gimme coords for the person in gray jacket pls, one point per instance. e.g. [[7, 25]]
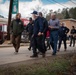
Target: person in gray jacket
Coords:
[[54, 25]]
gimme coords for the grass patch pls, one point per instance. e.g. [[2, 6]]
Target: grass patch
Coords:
[[48, 66]]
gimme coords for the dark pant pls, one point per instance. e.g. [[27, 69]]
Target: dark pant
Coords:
[[30, 35], [60, 41], [54, 40], [48, 43], [37, 44], [72, 40], [31, 40], [43, 42], [16, 42]]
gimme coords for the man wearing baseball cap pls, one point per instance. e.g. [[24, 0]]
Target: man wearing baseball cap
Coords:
[[37, 35], [29, 29]]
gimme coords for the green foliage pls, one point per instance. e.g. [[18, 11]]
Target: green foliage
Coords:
[[72, 13], [65, 13]]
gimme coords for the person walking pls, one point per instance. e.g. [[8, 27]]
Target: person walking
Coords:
[[72, 38], [37, 35], [54, 25], [17, 28], [48, 40], [45, 28], [63, 36], [29, 29]]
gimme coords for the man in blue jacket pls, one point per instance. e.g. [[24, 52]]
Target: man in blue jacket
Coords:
[[37, 35], [45, 28], [63, 36]]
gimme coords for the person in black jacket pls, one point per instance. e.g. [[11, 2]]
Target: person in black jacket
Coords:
[[45, 28], [72, 34], [37, 35], [63, 36], [17, 28], [29, 29]]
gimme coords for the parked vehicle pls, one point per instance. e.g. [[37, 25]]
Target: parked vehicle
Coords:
[[24, 36], [3, 33]]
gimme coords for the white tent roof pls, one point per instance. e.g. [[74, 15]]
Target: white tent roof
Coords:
[[3, 20]]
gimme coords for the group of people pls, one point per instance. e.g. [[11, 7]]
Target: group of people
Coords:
[[39, 30]]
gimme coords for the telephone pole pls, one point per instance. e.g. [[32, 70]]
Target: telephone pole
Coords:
[[9, 19]]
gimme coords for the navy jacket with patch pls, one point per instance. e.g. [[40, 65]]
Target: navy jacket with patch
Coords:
[[63, 31], [38, 26]]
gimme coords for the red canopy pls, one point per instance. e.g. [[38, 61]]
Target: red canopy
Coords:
[[1, 24]]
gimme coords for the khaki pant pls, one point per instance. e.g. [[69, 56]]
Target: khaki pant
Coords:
[[16, 42]]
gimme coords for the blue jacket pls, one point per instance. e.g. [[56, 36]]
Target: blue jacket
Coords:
[[45, 25], [38, 26], [63, 31]]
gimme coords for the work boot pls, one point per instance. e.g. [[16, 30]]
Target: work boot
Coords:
[[70, 45], [65, 50], [29, 49], [34, 56], [43, 55]]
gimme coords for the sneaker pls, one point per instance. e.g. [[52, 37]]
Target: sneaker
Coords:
[[53, 54]]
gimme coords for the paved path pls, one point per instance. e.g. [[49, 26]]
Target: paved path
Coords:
[[7, 54], [10, 45]]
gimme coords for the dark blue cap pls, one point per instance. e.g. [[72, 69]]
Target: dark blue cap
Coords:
[[35, 12]]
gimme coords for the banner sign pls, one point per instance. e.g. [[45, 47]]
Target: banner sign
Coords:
[[15, 6]]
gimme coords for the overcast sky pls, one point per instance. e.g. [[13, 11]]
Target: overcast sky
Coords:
[[27, 6]]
